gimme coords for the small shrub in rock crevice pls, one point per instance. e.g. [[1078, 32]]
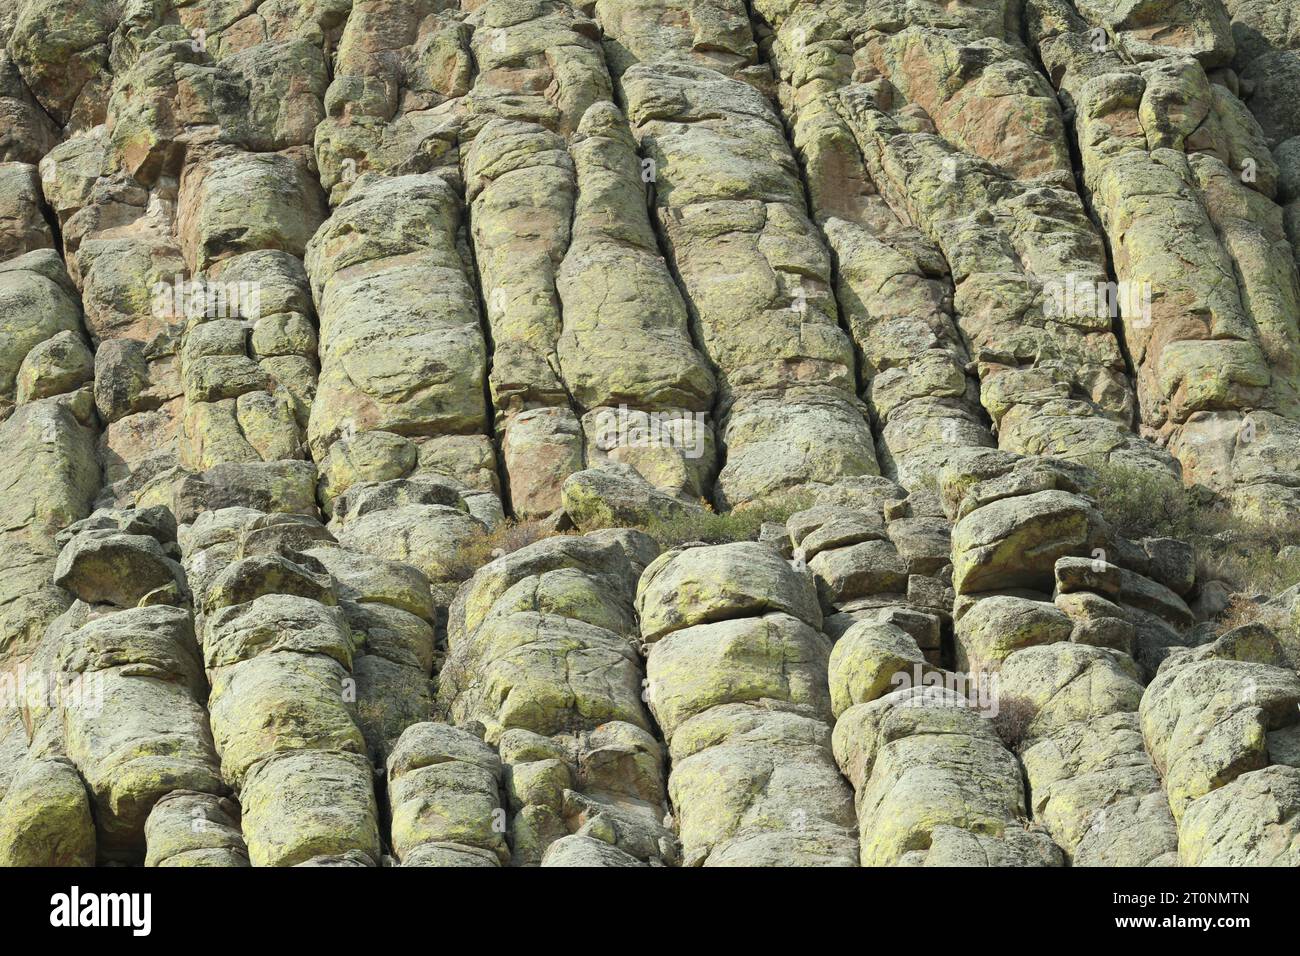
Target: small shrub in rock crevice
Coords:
[[507, 537], [1251, 558], [1012, 720], [710, 527]]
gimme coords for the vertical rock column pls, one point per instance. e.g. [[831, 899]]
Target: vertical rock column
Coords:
[[415, 368], [736, 675], [246, 206], [48, 431], [569, 267], [399, 417], [445, 788], [403, 353], [1180, 176], [47, 419], [1051, 626], [129, 707], [732, 215], [1267, 61], [279, 651], [626, 351], [520, 187], [392, 614], [935, 786], [542, 653], [1052, 375], [892, 283], [947, 141]]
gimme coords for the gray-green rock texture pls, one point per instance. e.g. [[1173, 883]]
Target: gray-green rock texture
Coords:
[[648, 432]]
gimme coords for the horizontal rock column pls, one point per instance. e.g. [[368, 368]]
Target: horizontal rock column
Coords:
[[278, 651], [542, 653], [444, 784], [736, 676]]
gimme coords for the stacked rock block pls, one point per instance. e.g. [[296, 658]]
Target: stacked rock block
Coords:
[[1058, 607], [877, 553], [1181, 176], [731, 213], [187, 828], [391, 611], [542, 652], [246, 207], [126, 706], [279, 654], [444, 784], [1221, 722], [935, 786], [736, 672]]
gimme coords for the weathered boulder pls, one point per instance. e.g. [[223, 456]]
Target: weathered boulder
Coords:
[[45, 817], [682, 588], [444, 787], [194, 829]]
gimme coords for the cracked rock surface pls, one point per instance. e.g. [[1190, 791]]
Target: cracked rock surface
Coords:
[[643, 433]]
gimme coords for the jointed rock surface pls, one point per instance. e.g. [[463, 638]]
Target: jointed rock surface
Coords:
[[645, 432]]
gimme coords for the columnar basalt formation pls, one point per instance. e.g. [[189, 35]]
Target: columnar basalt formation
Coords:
[[1180, 175], [279, 653], [649, 432], [1046, 618], [897, 139], [732, 215], [542, 652], [121, 688], [445, 788], [736, 672], [1221, 723]]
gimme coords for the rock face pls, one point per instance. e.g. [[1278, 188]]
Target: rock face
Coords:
[[647, 432]]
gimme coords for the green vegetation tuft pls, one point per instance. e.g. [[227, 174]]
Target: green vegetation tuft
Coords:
[[1252, 558], [713, 528]]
